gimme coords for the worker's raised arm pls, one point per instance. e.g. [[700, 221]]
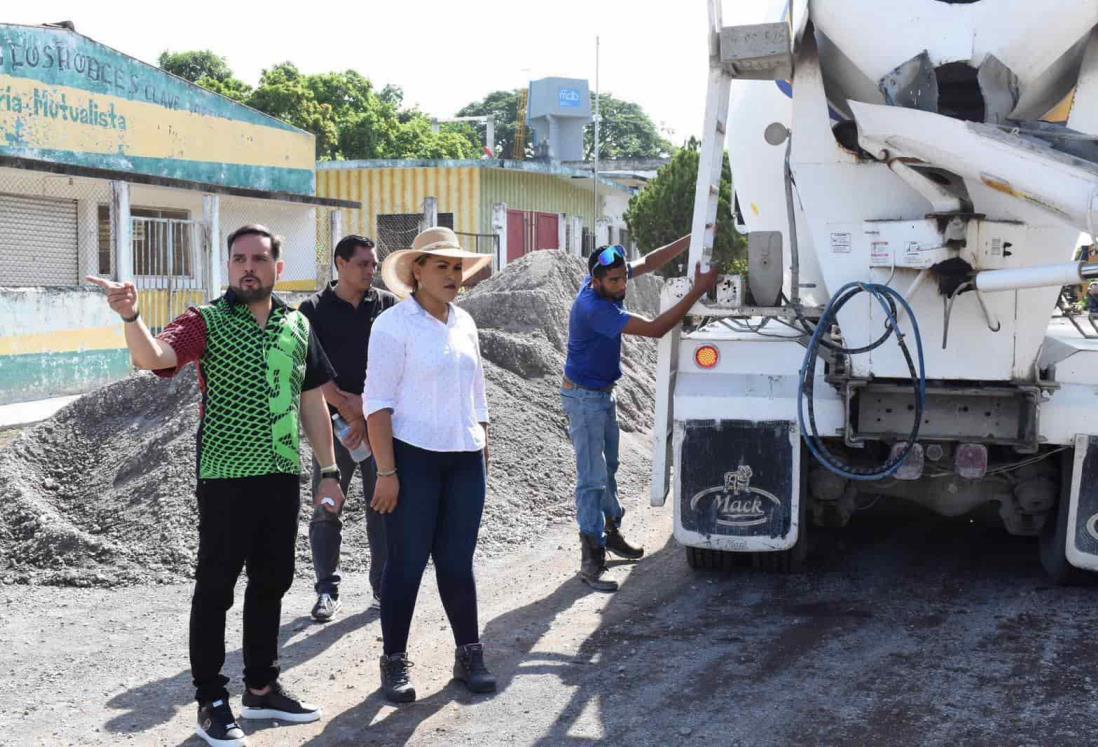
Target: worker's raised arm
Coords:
[[147, 352], [662, 324], [657, 258]]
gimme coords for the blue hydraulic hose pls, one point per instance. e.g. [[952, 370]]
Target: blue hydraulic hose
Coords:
[[884, 295]]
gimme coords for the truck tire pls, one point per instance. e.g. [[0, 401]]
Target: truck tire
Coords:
[[791, 560], [1052, 541], [705, 559], [784, 561]]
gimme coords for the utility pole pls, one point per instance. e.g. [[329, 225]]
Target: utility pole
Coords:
[[595, 212]]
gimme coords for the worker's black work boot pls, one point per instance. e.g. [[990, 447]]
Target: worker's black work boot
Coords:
[[617, 544], [593, 564]]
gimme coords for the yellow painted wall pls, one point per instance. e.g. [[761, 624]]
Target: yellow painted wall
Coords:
[[386, 191], [65, 341], [522, 190], [65, 98]]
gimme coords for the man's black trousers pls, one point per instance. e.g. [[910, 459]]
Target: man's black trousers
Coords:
[[243, 523]]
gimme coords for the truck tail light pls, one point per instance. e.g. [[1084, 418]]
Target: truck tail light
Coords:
[[971, 461], [706, 356]]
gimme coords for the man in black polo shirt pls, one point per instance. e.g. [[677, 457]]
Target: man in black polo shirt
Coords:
[[342, 315]]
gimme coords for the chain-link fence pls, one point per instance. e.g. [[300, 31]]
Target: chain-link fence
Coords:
[[481, 243], [396, 231], [306, 236], [56, 229], [53, 229]]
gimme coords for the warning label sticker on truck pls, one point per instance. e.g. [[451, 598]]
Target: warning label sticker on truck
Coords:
[[840, 243], [880, 253]]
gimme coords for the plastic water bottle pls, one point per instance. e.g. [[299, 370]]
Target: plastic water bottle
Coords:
[[343, 431]]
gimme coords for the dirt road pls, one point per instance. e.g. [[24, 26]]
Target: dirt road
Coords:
[[909, 629]]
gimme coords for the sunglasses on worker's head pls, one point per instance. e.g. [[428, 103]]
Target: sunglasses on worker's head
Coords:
[[610, 255]]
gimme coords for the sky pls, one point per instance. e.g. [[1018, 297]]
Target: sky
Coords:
[[443, 54]]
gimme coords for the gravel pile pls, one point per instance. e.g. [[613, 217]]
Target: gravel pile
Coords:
[[102, 494]]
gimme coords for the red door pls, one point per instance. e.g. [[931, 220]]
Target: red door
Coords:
[[548, 233], [516, 234]]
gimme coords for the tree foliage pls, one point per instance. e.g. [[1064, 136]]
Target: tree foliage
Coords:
[[352, 120], [664, 210], [284, 93], [503, 106], [348, 117], [625, 131], [195, 65]]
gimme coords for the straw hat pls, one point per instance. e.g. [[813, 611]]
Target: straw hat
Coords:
[[396, 270]]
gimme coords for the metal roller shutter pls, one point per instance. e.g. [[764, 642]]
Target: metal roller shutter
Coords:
[[38, 241]]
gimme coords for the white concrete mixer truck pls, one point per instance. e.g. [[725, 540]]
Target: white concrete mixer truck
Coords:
[[914, 179]]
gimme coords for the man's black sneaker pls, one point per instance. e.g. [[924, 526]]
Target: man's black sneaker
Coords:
[[217, 726], [278, 704], [326, 607], [469, 668], [394, 678]]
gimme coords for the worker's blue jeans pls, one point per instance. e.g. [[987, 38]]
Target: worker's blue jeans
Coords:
[[593, 428]]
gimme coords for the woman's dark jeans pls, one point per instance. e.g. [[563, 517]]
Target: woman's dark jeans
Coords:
[[438, 516]]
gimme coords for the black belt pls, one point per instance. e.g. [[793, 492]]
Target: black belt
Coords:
[[567, 383]]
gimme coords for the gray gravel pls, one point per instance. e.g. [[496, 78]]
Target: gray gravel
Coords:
[[102, 493]]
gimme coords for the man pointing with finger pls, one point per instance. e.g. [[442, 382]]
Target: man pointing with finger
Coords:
[[260, 370]]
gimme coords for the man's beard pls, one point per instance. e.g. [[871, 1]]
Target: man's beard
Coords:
[[602, 292], [257, 292]]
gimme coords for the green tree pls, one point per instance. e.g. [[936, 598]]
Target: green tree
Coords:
[[371, 124], [625, 131], [234, 89], [503, 106], [196, 65], [664, 210], [206, 69], [414, 139], [349, 117], [284, 93]]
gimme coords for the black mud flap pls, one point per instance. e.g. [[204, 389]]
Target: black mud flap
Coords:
[[738, 484], [1082, 536]]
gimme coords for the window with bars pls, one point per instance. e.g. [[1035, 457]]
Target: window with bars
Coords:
[[158, 241]]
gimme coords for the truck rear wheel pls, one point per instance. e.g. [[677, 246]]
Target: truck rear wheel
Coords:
[[705, 559], [783, 561], [1052, 542], [791, 560]]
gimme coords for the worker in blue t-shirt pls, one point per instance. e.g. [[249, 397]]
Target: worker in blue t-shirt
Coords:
[[593, 366]]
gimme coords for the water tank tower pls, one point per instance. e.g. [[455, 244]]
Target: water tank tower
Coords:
[[557, 111]]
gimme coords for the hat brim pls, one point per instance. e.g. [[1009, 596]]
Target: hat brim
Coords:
[[396, 269]]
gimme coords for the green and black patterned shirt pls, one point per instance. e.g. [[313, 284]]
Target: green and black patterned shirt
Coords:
[[251, 380]]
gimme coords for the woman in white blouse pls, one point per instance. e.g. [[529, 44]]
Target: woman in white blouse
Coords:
[[427, 420]]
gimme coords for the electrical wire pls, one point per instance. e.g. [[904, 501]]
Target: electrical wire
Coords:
[[1025, 462], [887, 298], [739, 326]]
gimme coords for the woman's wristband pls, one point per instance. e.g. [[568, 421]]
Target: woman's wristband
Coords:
[[387, 473]]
